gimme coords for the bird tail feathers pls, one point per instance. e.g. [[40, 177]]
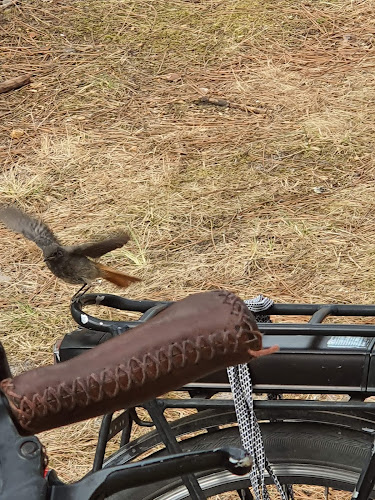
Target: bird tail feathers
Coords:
[[115, 277]]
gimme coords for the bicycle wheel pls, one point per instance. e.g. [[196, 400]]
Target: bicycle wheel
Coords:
[[300, 453]]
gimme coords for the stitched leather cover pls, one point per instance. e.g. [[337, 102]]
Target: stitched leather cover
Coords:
[[190, 339]]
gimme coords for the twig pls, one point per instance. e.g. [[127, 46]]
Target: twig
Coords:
[[213, 101], [14, 83], [226, 104]]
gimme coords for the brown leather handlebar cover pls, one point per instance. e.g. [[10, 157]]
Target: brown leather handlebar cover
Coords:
[[191, 338]]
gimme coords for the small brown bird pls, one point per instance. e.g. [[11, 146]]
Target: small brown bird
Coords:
[[70, 263]]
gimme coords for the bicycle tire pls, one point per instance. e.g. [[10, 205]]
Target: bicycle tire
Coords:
[[300, 453]]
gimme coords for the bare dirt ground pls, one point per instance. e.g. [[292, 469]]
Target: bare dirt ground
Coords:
[[234, 138]]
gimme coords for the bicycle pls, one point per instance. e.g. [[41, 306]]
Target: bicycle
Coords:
[[326, 443], [308, 442]]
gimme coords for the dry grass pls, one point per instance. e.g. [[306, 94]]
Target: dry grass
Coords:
[[272, 194]]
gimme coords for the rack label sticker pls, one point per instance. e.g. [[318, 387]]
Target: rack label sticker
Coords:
[[350, 342]]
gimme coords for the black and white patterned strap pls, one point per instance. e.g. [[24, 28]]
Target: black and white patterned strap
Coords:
[[242, 389]]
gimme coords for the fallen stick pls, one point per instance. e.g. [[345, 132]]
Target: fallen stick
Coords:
[[226, 104], [14, 83]]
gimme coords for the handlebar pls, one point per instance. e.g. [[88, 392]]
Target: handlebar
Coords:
[[187, 340]]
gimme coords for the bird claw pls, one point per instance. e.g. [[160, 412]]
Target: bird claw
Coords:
[[84, 289]]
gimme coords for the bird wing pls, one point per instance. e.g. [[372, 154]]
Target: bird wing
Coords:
[[99, 248], [33, 229]]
